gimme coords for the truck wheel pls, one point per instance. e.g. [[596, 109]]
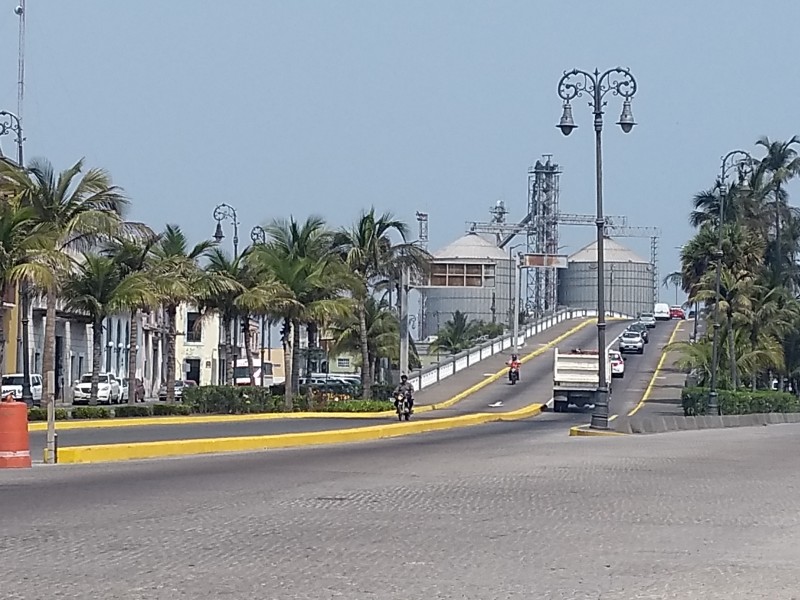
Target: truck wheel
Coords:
[[560, 404]]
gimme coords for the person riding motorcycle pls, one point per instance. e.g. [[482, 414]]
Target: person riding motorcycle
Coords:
[[404, 388], [514, 363]]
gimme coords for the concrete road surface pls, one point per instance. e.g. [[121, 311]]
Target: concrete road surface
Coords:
[[503, 511]]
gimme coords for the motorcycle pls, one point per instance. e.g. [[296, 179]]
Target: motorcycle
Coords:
[[403, 406], [513, 375]]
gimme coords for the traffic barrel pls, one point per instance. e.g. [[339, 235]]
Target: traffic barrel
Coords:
[[15, 450]]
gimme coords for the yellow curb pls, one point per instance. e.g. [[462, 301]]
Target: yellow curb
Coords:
[[172, 448], [190, 420], [651, 385], [584, 431]]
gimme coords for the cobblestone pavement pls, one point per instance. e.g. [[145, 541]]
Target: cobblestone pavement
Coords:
[[503, 511]]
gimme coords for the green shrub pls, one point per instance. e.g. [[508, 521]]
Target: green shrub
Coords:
[[132, 411], [161, 410], [228, 400], [382, 391], [91, 412], [740, 402], [40, 414], [357, 406]]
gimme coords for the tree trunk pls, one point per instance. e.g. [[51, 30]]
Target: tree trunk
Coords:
[[49, 350], [230, 359], [248, 351], [295, 355], [133, 356], [311, 337], [172, 336], [97, 357], [373, 364], [732, 357], [366, 382], [2, 336], [288, 394]]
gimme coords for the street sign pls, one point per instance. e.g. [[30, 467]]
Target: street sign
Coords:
[[534, 261]]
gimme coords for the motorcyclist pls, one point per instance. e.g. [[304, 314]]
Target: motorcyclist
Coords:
[[404, 388], [514, 363]]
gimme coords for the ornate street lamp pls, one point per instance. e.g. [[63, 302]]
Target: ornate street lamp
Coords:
[[743, 163], [574, 84], [225, 212]]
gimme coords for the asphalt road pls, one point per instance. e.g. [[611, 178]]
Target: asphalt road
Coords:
[[502, 511], [535, 385]]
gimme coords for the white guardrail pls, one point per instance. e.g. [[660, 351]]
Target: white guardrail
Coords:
[[449, 365]]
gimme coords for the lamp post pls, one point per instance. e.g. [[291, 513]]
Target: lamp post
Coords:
[[574, 84], [513, 297], [11, 124], [259, 236], [742, 163], [225, 212]]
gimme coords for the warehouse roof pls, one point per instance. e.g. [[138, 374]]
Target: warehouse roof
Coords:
[[614, 252]]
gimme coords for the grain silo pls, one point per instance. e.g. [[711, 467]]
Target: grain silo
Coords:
[[628, 280], [472, 275]]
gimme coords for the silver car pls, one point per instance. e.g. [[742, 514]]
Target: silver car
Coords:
[[631, 341]]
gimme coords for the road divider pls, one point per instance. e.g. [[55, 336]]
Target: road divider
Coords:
[[174, 448], [195, 419], [659, 366]]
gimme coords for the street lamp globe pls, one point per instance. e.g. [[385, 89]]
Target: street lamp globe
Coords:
[[626, 121], [218, 233], [567, 124]]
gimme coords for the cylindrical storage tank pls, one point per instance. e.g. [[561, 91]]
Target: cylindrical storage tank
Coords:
[[472, 275], [628, 280]]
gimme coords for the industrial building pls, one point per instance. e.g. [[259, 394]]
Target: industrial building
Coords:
[[629, 286], [471, 275]]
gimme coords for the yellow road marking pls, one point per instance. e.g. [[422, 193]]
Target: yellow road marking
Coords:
[[660, 365]]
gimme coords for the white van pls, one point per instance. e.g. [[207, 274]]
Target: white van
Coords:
[[661, 311]]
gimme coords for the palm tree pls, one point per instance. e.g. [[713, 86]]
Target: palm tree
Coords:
[[98, 288], [457, 334], [24, 248], [365, 248], [81, 210], [133, 256], [178, 279]]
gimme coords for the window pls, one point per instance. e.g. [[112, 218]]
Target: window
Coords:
[[194, 328], [343, 362]]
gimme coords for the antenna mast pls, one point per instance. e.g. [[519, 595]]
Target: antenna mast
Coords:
[[20, 11]]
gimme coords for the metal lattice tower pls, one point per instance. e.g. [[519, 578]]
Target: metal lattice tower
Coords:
[[542, 234]]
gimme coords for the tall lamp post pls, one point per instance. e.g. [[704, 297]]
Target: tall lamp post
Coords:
[[574, 84], [11, 124], [513, 299], [259, 237], [741, 161], [225, 212]]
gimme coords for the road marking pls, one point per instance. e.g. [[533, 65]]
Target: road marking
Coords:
[[652, 383], [497, 404]]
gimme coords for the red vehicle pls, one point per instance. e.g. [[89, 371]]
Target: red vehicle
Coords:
[[676, 312]]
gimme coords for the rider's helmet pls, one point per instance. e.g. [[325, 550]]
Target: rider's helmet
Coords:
[[403, 377], [514, 357]]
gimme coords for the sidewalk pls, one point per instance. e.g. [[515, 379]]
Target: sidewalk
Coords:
[[465, 379]]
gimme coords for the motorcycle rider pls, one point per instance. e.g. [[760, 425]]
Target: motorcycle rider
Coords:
[[514, 363], [404, 388]]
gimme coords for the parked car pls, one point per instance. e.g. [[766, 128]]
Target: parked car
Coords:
[[108, 389], [648, 319], [631, 341], [180, 385], [12, 384], [641, 329], [138, 393], [617, 364], [676, 312]]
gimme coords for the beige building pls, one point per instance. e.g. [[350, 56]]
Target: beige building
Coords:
[[197, 346]]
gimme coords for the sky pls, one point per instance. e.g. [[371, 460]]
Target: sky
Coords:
[[305, 107]]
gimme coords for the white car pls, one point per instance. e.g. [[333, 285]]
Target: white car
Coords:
[[648, 319], [617, 364], [631, 341], [661, 312], [12, 384], [108, 389]]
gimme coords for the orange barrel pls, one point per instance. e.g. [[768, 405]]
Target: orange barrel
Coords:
[[15, 450]]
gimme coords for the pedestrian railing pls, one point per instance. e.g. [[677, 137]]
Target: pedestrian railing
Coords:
[[449, 365]]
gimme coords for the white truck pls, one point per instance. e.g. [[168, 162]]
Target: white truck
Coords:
[[575, 378]]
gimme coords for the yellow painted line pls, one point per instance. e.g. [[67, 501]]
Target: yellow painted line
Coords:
[[195, 419], [651, 385], [172, 448], [584, 431]]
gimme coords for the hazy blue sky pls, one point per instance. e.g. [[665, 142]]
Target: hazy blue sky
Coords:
[[327, 107]]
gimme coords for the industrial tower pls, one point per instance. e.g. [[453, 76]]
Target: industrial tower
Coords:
[[542, 234]]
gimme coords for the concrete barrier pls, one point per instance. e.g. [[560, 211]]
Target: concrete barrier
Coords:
[[666, 423]]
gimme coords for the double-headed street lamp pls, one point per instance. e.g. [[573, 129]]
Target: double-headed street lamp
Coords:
[[742, 162], [575, 84], [225, 212], [259, 237], [11, 124]]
